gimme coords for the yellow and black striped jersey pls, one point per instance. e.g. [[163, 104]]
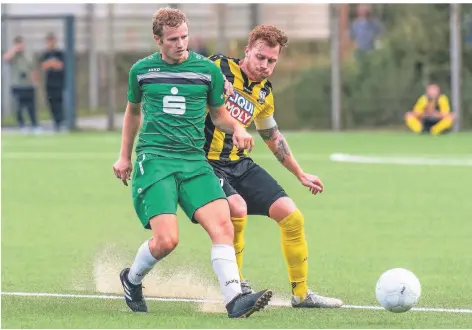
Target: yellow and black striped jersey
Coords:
[[253, 101], [423, 104]]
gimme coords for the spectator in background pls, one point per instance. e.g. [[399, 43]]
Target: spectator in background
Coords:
[[365, 31], [22, 83], [431, 113], [52, 64], [197, 45]]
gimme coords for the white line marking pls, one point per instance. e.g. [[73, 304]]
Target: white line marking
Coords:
[[336, 157], [196, 300], [346, 158]]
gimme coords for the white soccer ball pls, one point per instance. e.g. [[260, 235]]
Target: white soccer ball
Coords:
[[398, 290]]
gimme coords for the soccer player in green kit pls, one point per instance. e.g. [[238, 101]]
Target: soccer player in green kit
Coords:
[[173, 88]]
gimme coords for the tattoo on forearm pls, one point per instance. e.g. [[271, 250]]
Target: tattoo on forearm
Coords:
[[269, 134], [283, 151]]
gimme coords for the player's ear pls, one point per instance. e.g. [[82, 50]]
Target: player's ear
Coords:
[[157, 39], [246, 52]]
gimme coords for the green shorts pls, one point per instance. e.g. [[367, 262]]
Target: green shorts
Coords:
[[160, 183]]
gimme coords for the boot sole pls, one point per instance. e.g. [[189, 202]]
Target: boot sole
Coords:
[[261, 302]]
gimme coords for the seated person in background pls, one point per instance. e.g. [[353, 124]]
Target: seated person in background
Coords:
[[431, 113]]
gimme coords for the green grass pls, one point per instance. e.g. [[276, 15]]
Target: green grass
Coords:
[[68, 226]]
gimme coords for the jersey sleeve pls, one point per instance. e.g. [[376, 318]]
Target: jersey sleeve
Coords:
[[420, 104], [444, 107], [134, 90], [216, 93], [265, 119]]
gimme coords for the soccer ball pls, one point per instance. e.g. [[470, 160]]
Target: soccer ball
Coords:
[[398, 290]]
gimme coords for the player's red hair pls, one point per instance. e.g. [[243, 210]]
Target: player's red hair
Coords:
[[269, 34]]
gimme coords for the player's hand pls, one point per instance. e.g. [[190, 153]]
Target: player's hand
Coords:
[[229, 91], [242, 139], [123, 169], [312, 182]]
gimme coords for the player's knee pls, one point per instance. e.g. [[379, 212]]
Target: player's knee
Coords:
[[237, 205], [408, 115], [222, 231], [163, 244], [282, 208], [294, 222]]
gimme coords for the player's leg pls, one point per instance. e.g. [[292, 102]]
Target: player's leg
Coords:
[[295, 250], [54, 96], [413, 122], [19, 107], [156, 206], [429, 121], [262, 192], [442, 125], [238, 210], [265, 196], [163, 242], [203, 200]]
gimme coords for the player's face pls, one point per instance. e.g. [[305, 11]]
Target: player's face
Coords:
[[433, 92], [261, 60], [174, 43]]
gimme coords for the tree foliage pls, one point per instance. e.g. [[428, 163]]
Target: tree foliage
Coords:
[[377, 90]]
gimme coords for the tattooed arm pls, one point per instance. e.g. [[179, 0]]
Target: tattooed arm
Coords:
[[276, 142], [279, 146]]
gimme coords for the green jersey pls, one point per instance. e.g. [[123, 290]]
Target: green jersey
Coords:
[[174, 100]]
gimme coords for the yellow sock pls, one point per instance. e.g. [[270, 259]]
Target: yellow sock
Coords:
[[441, 126], [295, 250], [414, 124], [239, 224]]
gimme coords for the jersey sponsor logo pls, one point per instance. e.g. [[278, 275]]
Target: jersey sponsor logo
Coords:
[[154, 70], [173, 104], [240, 108]]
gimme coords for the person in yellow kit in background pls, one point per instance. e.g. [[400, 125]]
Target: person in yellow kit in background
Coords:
[[431, 113]]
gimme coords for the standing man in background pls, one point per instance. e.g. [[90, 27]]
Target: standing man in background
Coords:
[[22, 83], [52, 64], [365, 31]]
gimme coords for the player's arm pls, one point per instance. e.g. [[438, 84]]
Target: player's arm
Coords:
[[10, 54], [444, 107], [420, 105], [276, 142], [131, 123], [223, 120], [269, 131]]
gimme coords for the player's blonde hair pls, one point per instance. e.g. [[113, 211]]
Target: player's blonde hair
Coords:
[[269, 34], [169, 17]]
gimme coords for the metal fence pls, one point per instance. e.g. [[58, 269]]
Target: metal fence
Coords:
[[323, 80]]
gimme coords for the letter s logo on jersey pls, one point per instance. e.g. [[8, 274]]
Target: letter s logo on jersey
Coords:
[[240, 108]]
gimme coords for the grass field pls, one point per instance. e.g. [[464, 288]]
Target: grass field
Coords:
[[68, 227]]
